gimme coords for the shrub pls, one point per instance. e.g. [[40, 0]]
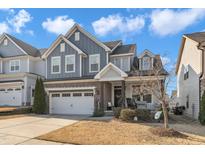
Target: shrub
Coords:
[[202, 110], [98, 113], [117, 111], [143, 114], [40, 105], [127, 114]]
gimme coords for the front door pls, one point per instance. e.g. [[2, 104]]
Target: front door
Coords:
[[117, 96]]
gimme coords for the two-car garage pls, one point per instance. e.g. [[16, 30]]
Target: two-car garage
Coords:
[[72, 102]]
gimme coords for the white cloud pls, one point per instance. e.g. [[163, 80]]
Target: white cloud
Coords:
[[10, 11], [119, 24], [30, 32], [167, 22], [59, 25], [19, 20], [4, 28], [165, 60]]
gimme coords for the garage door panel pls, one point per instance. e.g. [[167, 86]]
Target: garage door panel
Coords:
[[72, 104], [11, 97]]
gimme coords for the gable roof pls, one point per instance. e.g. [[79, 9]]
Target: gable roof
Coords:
[[56, 43], [198, 37], [113, 44], [109, 66], [146, 52], [25, 47], [76, 26], [157, 64], [124, 49]]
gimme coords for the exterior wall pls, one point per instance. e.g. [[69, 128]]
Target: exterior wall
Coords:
[[62, 74], [23, 65], [5, 51], [192, 57], [89, 47], [39, 67]]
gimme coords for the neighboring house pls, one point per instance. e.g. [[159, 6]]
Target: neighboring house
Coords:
[[173, 101], [84, 74], [190, 72], [20, 64]]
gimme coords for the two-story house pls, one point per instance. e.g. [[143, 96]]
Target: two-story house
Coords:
[[190, 72], [20, 65], [84, 74]]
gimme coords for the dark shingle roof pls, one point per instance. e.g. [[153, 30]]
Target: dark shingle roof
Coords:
[[157, 66], [42, 50], [123, 49], [198, 36], [30, 50], [112, 44]]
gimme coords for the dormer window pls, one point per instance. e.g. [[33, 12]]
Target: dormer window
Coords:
[[77, 36], [62, 47], [146, 63], [5, 42]]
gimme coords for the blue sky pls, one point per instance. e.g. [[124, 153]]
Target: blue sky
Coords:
[[159, 30]]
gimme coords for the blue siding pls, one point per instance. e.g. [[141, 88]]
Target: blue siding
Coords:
[[62, 74], [89, 47]]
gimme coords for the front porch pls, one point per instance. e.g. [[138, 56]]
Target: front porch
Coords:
[[118, 90]]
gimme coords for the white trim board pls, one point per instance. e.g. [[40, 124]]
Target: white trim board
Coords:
[[56, 43], [6, 36], [76, 26]]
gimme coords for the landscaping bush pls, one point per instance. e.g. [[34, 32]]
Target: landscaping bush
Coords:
[[117, 111], [40, 105], [127, 114], [98, 113], [202, 110], [143, 114]]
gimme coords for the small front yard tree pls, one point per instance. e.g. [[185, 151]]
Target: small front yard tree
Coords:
[[39, 106], [158, 85], [202, 110]]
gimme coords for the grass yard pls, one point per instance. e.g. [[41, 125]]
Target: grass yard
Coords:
[[7, 109], [112, 133]]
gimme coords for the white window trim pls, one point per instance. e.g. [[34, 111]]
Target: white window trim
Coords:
[[66, 64], [143, 67], [52, 65], [10, 65], [62, 44], [90, 63], [77, 36]]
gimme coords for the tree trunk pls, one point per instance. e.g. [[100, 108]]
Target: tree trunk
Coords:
[[165, 113]]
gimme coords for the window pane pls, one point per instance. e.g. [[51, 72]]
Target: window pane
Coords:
[[70, 67], [62, 47], [77, 94], [66, 95], [94, 67], [146, 63], [147, 98], [55, 95], [56, 68]]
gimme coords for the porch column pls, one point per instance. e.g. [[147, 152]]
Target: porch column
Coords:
[[123, 93], [102, 95]]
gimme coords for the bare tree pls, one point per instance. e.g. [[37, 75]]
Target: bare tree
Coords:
[[158, 84]]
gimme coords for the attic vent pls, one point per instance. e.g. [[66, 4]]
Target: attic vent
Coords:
[[5, 42], [77, 36]]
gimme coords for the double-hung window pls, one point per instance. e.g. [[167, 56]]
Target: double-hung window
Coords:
[[14, 65], [146, 63], [55, 65], [94, 63], [69, 63]]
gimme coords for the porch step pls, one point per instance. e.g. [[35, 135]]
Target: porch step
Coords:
[[109, 113]]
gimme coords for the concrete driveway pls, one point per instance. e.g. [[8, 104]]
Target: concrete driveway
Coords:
[[23, 130]]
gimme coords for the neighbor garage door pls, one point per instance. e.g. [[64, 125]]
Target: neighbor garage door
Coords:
[[72, 103], [10, 97]]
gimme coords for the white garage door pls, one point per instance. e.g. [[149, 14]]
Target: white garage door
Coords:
[[72, 103], [11, 97]]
